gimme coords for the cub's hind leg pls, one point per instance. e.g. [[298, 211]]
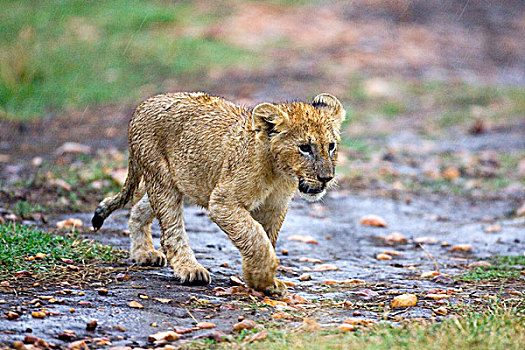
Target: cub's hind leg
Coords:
[[140, 220], [167, 205]]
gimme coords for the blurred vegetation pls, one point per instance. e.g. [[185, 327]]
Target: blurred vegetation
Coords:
[[61, 54]]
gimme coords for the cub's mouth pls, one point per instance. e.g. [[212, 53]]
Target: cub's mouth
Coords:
[[309, 189]]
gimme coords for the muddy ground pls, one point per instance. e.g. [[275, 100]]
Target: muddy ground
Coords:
[[342, 241], [390, 166]]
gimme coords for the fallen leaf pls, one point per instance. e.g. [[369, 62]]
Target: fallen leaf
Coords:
[[168, 336], [494, 228], [425, 240], [23, 273], [310, 260], [162, 300], [12, 315], [451, 173], [479, 263], [359, 322], [40, 256], [102, 291], [289, 284], [345, 327], [244, 324], [309, 325], [282, 316], [437, 296], [441, 311], [367, 294], [78, 345], [293, 299], [73, 148], [383, 256], [122, 277], [66, 261], [236, 280], [69, 223], [135, 305], [286, 268], [237, 290], [461, 248], [305, 277], [325, 267], [258, 336], [205, 325], [395, 238], [274, 303], [373, 220], [404, 300], [392, 252], [38, 314], [427, 274], [349, 281], [186, 330], [303, 238]]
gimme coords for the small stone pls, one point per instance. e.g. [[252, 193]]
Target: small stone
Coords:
[[461, 248], [204, 325], [135, 305], [373, 220], [305, 277], [441, 311], [383, 256], [12, 315], [78, 345], [91, 326], [244, 324], [38, 314], [494, 228], [168, 336]]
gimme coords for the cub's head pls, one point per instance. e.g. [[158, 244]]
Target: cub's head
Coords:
[[303, 139]]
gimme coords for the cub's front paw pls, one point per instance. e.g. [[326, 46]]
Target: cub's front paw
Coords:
[[149, 257], [278, 288], [191, 273]]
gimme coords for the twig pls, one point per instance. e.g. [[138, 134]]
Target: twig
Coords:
[[430, 256], [189, 313]]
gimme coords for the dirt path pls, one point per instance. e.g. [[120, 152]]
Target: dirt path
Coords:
[[342, 241]]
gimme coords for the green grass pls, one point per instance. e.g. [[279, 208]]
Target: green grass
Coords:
[[19, 241], [495, 329], [25, 209], [73, 53], [503, 267]]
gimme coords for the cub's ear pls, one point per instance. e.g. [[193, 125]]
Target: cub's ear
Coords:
[[267, 116], [325, 100]]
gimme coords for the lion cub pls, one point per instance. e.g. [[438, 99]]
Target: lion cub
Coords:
[[242, 164]]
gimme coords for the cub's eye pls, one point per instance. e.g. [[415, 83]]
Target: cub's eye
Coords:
[[331, 147], [306, 149]]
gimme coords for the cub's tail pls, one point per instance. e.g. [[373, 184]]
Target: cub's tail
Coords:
[[112, 203]]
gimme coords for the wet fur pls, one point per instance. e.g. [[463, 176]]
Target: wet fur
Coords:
[[243, 165]]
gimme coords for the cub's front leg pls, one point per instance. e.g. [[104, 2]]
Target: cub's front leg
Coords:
[[259, 261]]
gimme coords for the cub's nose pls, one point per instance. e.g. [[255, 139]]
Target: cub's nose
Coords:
[[324, 178]]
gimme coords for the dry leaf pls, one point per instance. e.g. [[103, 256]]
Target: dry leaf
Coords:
[[404, 300], [305, 277], [479, 263], [428, 274], [441, 311], [204, 325], [367, 293], [345, 327], [461, 248], [437, 296], [78, 345], [168, 336], [135, 305], [162, 300], [425, 240], [244, 324], [281, 316], [451, 173], [359, 322], [40, 256], [274, 303], [258, 336], [303, 238], [309, 325], [383, 256], [293, 299], [395, 238], [325, 267], [310, 260], [38, 314], [495, 228], [69, 223], [373, 220], [236, 280]]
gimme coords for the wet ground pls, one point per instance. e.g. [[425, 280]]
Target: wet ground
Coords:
[[342, 241]]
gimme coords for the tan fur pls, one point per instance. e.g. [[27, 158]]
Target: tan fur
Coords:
[[242, 165]]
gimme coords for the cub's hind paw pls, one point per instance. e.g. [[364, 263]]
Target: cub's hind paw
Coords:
[[149, 258], [192, 273]]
